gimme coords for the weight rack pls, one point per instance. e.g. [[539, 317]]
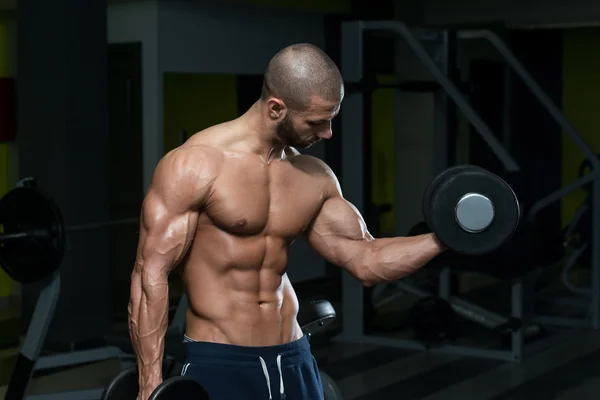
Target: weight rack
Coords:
[[426, 44]]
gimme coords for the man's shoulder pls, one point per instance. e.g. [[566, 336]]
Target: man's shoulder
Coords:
[[190, 163], [315, 167], [185, 176]]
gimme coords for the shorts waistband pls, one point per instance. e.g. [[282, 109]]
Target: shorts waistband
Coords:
[[197, 351]]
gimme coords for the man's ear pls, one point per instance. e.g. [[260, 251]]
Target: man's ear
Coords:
[[276, 109]]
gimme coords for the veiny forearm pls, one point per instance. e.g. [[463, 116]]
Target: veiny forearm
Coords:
[[394, 258], [148, 321], [135, 299]]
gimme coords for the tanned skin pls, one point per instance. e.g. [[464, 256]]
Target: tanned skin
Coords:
[[225, 207]]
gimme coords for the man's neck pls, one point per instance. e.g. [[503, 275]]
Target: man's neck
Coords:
[[259, 134]]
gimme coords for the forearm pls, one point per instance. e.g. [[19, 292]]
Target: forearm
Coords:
[[394, 258], [148, 320]]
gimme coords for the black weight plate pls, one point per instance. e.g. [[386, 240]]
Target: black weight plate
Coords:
[[446, 197], [37, 256], [124, 386], [331, 390], [180, 388], [433, 185]]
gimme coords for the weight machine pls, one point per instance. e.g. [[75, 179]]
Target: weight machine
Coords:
[[432, 47], [30, 359]]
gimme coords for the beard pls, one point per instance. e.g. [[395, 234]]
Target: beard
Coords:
[[288, 136]]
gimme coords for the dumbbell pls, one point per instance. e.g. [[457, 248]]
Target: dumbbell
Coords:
[[471, 210], [125, 386]]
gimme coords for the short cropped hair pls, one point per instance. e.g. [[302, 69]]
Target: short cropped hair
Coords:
[[300, 71]]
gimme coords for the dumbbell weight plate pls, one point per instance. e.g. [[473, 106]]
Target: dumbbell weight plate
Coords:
[[443, 211], [179, 388], [123, 387], [434, 184]]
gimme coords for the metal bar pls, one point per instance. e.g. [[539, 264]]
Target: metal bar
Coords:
[[445, 283], [562, 321], [408, 288], [503, 355], [440, 129], [102, 224], [559, 194], [595, 246], [517, 312], [34, 339], [451, 118], [41, 319], [69, 228], [442, 108], [507, 138], [472, 116], [476, 313], [581, 211], [569, 264], [13, 236], [381, 301], [352, 168], [77, 357], [465, 309], [537, 91], [426, 34]]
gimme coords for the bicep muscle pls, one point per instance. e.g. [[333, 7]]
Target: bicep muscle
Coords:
[[339, 232]]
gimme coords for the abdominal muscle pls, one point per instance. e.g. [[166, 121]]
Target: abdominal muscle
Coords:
[[238, 292]]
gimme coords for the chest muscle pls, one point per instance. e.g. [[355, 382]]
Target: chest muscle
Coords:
[[276, 200]]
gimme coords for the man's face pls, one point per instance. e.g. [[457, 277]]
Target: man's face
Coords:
[[302, 129]]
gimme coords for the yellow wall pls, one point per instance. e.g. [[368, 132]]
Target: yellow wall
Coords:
[[196, 101], [382, 152], [581, 85], [6, 287]]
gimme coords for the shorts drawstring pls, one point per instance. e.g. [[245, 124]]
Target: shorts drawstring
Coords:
[[184, 369], [281, 391], [268, 379], [266, 372]]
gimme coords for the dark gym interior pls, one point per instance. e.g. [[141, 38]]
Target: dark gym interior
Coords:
[[93, 94]]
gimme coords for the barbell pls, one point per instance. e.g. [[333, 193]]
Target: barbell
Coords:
[[33, 236]]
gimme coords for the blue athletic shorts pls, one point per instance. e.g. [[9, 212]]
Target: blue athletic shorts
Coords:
[[227, 372]]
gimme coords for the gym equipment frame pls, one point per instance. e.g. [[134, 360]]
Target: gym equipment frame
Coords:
[[427, 44], [29, 359]]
